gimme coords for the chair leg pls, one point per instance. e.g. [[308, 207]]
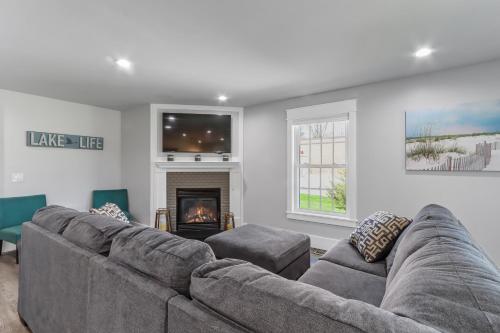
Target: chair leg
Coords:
[[17, 255], [1, 243]]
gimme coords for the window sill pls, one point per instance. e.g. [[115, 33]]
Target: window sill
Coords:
[[322, 218]]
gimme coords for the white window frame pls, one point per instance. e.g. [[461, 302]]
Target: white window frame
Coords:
[[329, 111]]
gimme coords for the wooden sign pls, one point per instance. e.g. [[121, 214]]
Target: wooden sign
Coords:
[[55, 140]]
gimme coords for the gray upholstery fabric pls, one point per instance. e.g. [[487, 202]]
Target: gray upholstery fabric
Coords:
[[346, 282], [94, 232], [185, 315], [54, 218], [53, 283], [343, 253], [265, 302], [270, 248], [161, 255], [123, 301], [443, 279], [297, 268]]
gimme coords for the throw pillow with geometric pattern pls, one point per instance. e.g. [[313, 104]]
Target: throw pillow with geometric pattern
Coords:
[[376, 235], [112, 210]]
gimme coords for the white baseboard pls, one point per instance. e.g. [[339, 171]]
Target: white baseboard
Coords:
[[322, 243]]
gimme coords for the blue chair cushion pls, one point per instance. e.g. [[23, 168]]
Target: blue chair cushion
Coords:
[[11, 234]]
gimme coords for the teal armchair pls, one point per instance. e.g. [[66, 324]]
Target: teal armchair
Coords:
[[13, 213], [118, 197]]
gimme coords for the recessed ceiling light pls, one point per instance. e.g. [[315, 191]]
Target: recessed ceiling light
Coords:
[[222, 98], [123, 63], [209, 132], [221, 139], [184, 134], [171, 118], [168, 127], [199, 141], [423, 52]]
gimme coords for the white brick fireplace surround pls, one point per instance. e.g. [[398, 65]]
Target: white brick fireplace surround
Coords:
[[208, 171]]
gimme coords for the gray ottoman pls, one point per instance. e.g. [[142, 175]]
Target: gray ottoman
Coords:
[[281, 252]]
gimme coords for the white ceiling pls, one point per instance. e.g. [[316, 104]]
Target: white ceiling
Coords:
[[188, 51]]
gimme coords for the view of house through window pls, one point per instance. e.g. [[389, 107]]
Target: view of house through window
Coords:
[[320, 166]]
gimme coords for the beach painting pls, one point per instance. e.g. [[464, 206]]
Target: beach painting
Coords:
[[465, 137]]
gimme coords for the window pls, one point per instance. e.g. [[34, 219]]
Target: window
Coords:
[[321, 168]]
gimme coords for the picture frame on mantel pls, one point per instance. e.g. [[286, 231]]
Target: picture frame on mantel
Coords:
[[459, 138]]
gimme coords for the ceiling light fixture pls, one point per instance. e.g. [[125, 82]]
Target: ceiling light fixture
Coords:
[[123, 63], [199, 141], [222, 98], [209, 132], [184, 134], [221, 139], [171, 118], [168, 127], [423, 52]]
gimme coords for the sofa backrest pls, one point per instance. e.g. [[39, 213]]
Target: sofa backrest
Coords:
[[441, 278], [160, 255], [55, 218], [16, 210], [261, 301], [94, 232]]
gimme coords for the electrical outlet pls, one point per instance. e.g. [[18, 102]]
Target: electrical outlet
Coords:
[[17, 177]]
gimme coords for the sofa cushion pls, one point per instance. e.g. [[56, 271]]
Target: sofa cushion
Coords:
[[270, 248], [442, 279], [54, 218], [346, 282], [376, 234], [11, 234], [345, 254], [94, 232], [265, 302], [167, 258]]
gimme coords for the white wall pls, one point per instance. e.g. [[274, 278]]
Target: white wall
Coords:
[[66, 176], [383, 182], [2, 159], [136, 160]]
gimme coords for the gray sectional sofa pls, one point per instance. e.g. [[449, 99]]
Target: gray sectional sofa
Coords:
[[89, 274]]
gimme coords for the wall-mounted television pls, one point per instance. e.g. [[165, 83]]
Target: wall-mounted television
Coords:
[[196, 133]]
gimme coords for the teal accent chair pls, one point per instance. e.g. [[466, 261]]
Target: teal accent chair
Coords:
[[118, 197], [13, 213]]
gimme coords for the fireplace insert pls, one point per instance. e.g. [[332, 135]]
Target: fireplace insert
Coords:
[[198, 212]]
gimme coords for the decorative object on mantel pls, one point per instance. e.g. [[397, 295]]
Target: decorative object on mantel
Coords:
[[56, 140], [459, 138], [229, 221], [225, 158], [197, 158], [163, 220], [170, 158]]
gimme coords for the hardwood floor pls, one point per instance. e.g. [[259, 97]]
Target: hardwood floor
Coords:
[[9, 320]]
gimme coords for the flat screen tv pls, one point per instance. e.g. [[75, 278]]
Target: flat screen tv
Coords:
[[196, 133]]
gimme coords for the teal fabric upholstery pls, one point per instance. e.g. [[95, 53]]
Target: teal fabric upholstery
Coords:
[[16, 210], [11, 234], [118, 197]]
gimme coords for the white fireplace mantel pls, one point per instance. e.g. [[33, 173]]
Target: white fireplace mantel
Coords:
[[197, 166]]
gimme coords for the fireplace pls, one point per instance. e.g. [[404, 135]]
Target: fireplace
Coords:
[[198, 211]]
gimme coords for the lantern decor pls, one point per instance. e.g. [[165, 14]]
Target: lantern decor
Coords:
[[163, 220], [229, 221]]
